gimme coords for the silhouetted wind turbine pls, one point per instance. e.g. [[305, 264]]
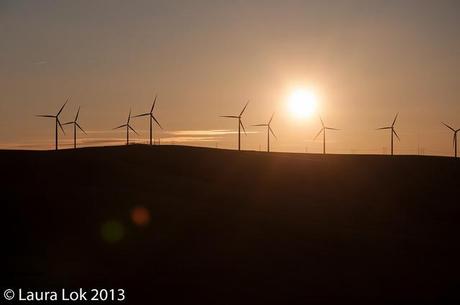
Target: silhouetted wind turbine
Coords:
[[58, 123], [269, 130], [393, 132], [152, 118], [323, 130], [75, 125], [128, 127], [240, 124], [455, 138]]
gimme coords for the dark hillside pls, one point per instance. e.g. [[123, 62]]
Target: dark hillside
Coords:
[[233, 228]]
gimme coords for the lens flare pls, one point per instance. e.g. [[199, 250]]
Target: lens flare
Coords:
[[140, 216], [112, 231]]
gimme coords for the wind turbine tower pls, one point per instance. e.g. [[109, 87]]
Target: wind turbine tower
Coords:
[[323, 130], [269, 130], [57, 123], [393, 132], [128, 127], [455, 131], [151, 118], [75, 125], [240, 123]]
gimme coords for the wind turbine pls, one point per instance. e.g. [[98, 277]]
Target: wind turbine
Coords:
[[269, 130], [75, 125], [58, 123], [152, 118], [393, 132], [455, 138], [240, 124], [128, 127], [323, 130]]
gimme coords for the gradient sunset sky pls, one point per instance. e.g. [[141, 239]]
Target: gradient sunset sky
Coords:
[[364, 60]]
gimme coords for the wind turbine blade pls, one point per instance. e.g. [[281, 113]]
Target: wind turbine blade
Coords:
[[396, 135], [330, 128], [153, 105], [448, 126], [139, 115], [381, 128], [60, 110], [322, 123], [59, 123], [242, 111], [242, 126], [271, 118], [45, 116], [318, 134], [129, 116], [394, 121], [129, 126], [124, 125], [156, 121], [272, 132], [68, 123], [229, 116], [78, 112], [80, 128]]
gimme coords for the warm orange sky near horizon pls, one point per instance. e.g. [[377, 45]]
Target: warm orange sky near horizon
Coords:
[[365, 61]]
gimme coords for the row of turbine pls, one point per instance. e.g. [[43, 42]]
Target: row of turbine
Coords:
[[240, 125], [321, 131], [153, 119], [76, 125], [324, 128]]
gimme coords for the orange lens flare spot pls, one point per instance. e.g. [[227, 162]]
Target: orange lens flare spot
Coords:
[[140, 216]]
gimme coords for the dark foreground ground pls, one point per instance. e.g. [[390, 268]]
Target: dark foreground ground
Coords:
[[233, 228]]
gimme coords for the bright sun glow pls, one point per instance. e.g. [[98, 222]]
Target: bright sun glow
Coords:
[[302, 103]]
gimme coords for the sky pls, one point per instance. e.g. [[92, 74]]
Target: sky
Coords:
[[364, 61]]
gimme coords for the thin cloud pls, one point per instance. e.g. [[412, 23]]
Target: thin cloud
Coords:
[[22, 146], [210, 132], [190, 139], [173, 139], [175, 136], [65, 143]]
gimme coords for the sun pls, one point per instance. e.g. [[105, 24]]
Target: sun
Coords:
[[302, 103]]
